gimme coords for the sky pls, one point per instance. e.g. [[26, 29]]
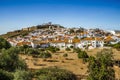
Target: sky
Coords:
[[17, 14]]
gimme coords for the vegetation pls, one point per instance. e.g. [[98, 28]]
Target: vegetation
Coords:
[[53, 49], [10, 61], [77, 50], [71, 46], [116, 46], [68, 49], [100, 68], [4, 44], [65, 55], [31, 51], [54, 74], [82, 54], [45, 55], [71, 31], [22, 75], [4, 75]]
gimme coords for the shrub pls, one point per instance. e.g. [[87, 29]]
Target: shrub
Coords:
[[9, 60], [4, 75], [68, 49], [100, 66], [77, 50], [32, 51], [82, 54], [4, 44], [53, 49], [71, 46], [54, 74], [45, 55], [117, 46], [22, 75], [65, 55]]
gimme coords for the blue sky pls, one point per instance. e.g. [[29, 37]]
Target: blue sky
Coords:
[[16, 14]]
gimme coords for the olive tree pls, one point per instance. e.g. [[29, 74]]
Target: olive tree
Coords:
[[100, 67]]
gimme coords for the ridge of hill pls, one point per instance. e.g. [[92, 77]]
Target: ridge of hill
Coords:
[[27, 30]]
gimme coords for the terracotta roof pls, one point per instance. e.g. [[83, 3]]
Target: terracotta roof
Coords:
[[99, 39], [60, 41], [23, 43], [108, 38], [40, 42], [88, 39], [11, 41], [76, 40]]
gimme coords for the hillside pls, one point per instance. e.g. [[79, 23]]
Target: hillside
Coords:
[[27, 30]]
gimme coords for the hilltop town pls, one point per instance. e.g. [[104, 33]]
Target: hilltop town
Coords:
[[49, 51], [45, 35]]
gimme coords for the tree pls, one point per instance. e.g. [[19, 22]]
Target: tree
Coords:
[[100, 68], [77, 50], [82, 54], [4, 75], [65, 55], [22, 75], [68, 49], [10, 61], [53, 49], [117, 46], [4, 44], [45, 55]]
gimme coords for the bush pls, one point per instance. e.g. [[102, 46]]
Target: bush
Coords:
[[32, 51], [77, 50], [65, 55], [71, 46], [4, 75], [9, 60], [54, 74], [82, 54], [45, 55], [100, 67], [4, 44], [53, 49], [22, 75], [117, 46], [68, 49]]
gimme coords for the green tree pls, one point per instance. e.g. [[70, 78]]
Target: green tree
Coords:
[[71, 31], [65, 55], [82, 54], [4, 44], [9, 60], [68, 49], [117, 46], [22, 75], [100, 68], [4, 75], [53, 49], [45, 55]]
